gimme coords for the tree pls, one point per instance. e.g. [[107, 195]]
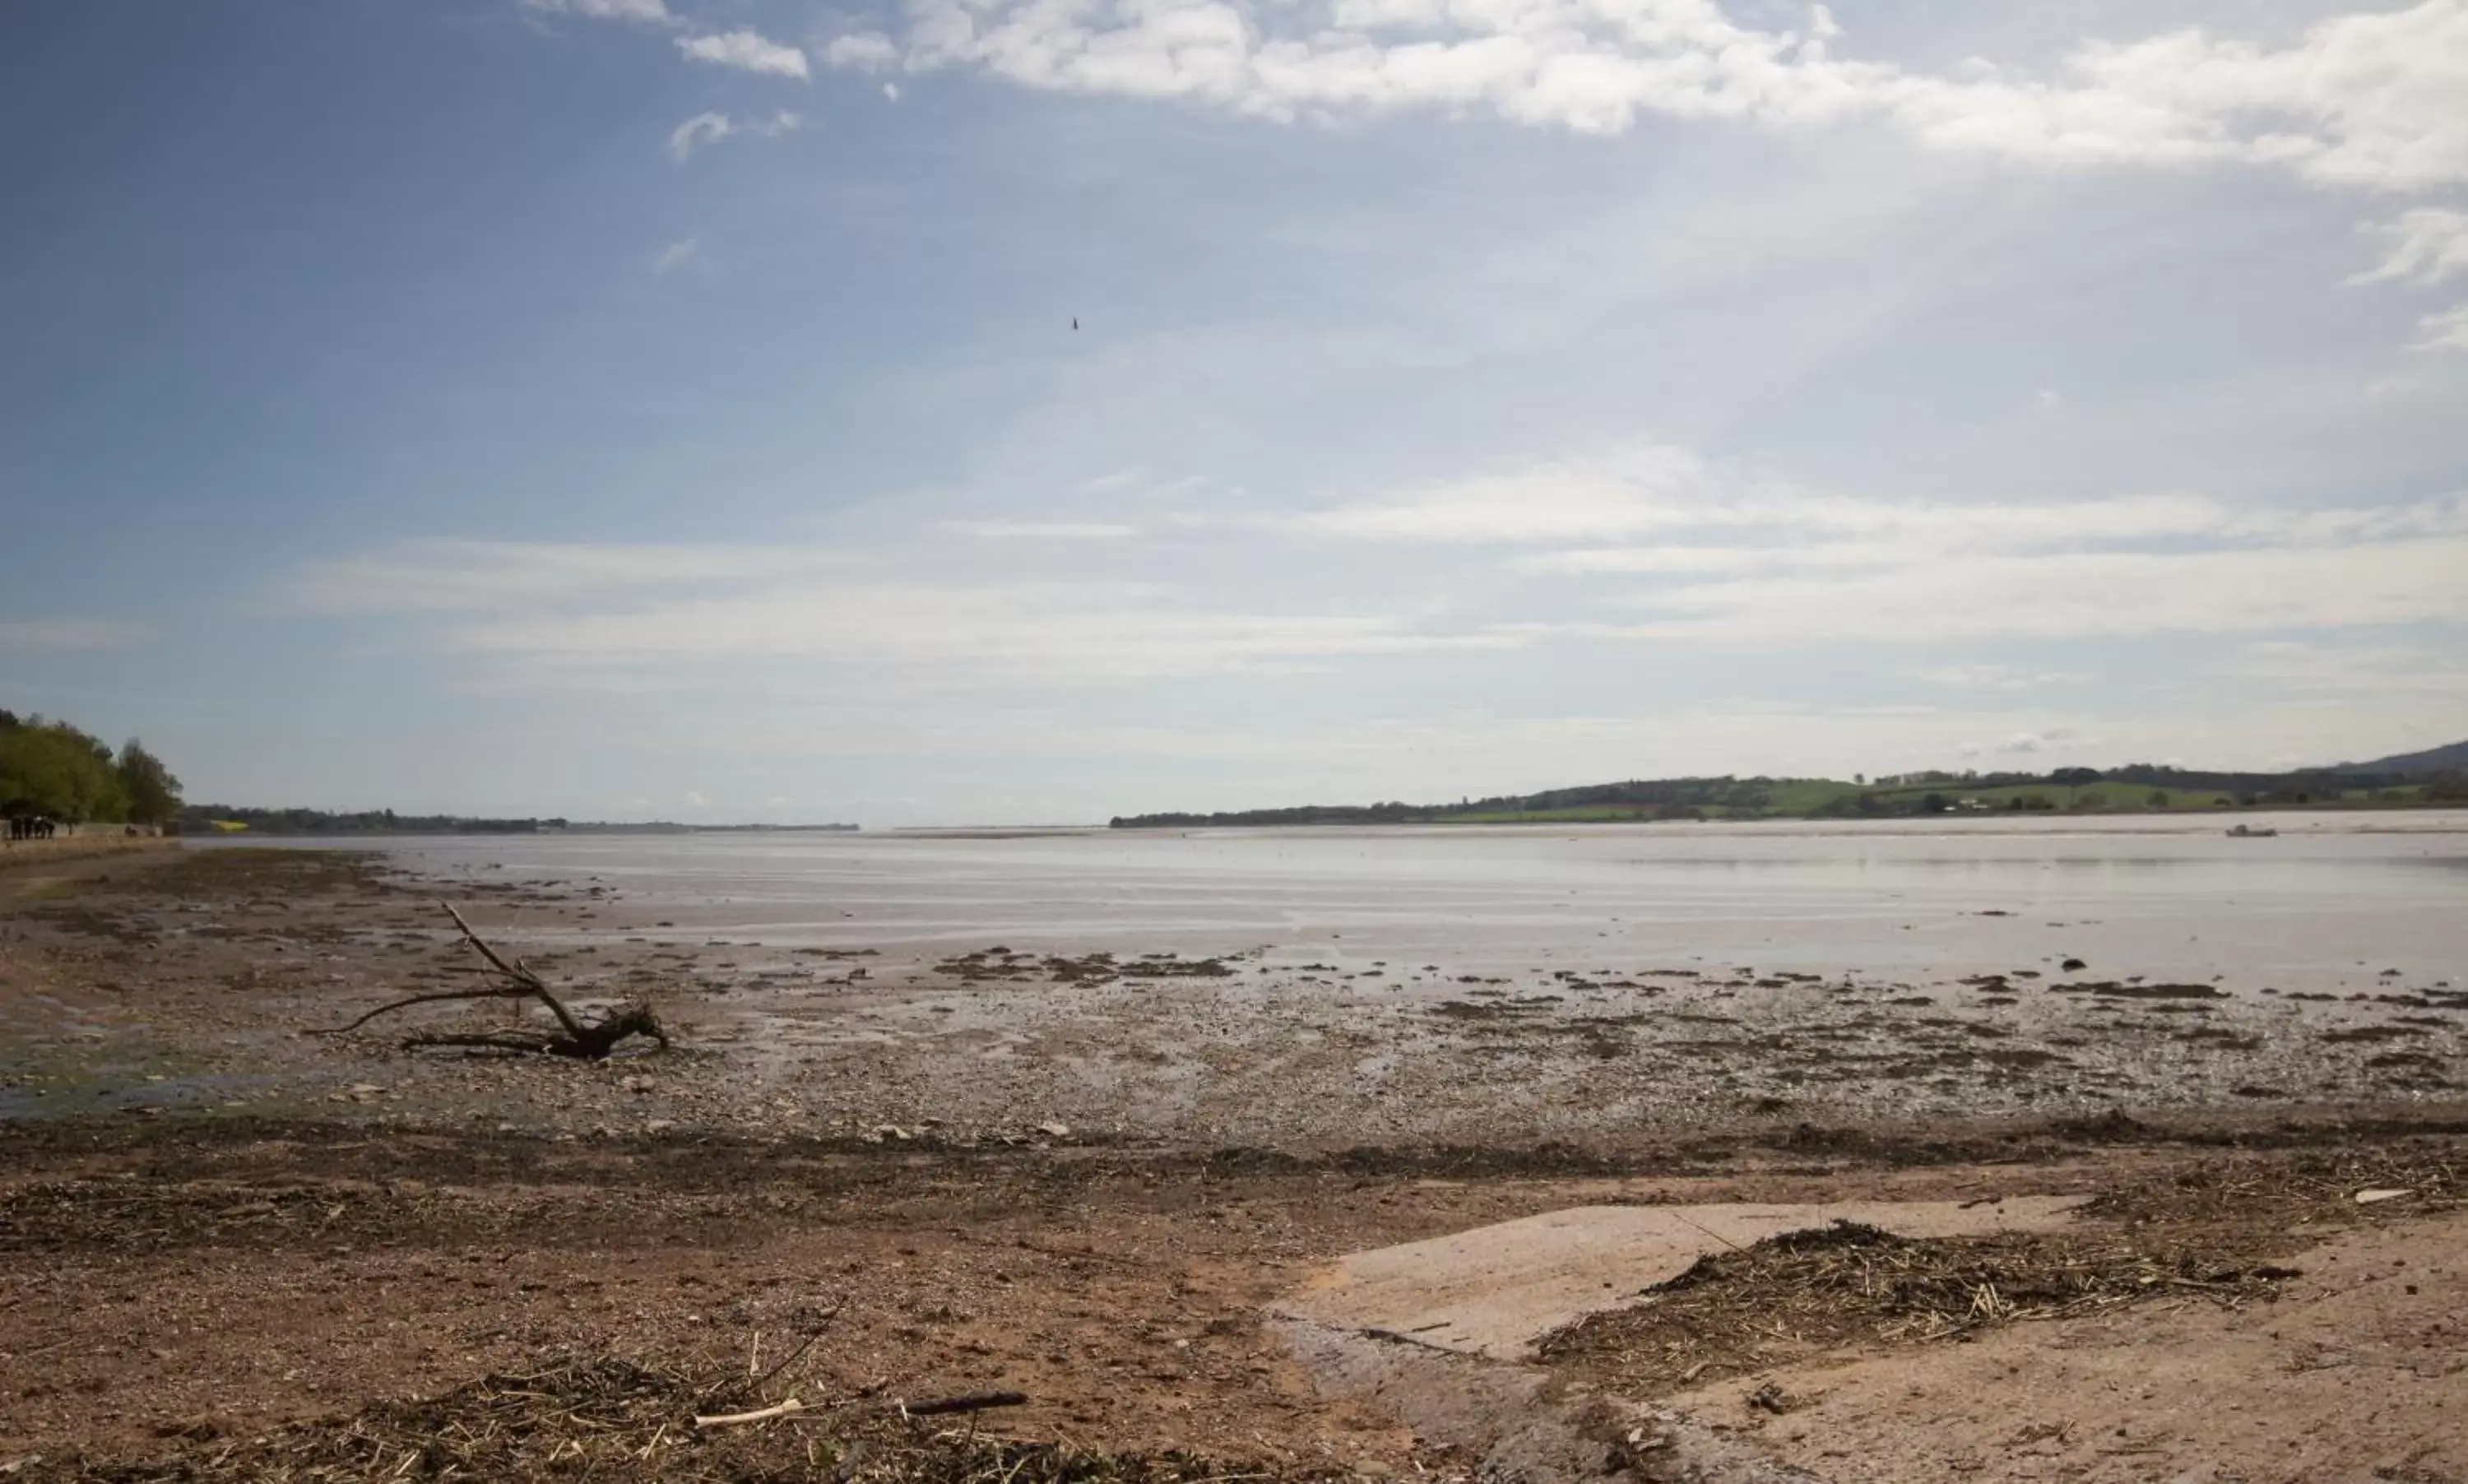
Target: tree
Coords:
[[2158, 798], [52, 768], [154, 794]]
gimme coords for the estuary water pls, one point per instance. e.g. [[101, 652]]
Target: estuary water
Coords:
[[2332, 901]]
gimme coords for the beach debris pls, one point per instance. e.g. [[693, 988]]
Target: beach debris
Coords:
[[2376, 1197], [789, 1408], [604, 1417], [589, 1041]]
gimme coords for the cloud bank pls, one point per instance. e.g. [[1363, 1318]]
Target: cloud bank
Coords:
[[2366, 100]]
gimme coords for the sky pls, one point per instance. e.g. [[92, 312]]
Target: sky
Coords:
[[964, 411]]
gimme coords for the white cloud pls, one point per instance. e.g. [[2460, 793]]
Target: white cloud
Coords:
[[649, 12], [1064, 530], [2056, 739], [1623, 494], [2377, 669], [695, 800], [650, 615], [1997, 678], [1051, 631], [2427, 245], [867, 51], [1710, 518], [710, 129], [891, 90], [1715, 553], [2367, 98], [444, 575], [2082, 595], [704, 129], [40, 635], [676, 255], [2447, 330], [746, 50]]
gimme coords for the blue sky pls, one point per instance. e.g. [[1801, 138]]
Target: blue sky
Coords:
[[648, 407]]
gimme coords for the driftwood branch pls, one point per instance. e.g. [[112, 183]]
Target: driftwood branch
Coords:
[[518, 971], [789, 1408], [940, 1406], [978, 1402], [409, 1001], [589, 1041]]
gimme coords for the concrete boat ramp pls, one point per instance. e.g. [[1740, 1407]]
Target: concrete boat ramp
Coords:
[[1442, 1332]]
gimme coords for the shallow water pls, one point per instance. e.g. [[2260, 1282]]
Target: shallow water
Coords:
[[2331, 902]]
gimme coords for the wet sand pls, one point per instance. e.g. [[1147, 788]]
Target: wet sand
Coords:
[[211, 965]]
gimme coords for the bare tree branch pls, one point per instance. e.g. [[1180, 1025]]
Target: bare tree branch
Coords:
[[589, 1043]]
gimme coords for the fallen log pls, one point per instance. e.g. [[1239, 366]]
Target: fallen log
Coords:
[[589, 1041]]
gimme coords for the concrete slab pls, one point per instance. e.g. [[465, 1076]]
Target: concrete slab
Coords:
[[1495, 1291]]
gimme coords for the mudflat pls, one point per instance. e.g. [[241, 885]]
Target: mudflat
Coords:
[[1086, 1180]]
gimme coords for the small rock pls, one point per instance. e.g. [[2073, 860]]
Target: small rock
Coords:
[[659, 1124], [2073, 964], [1055, 1130], [2375, 1198]]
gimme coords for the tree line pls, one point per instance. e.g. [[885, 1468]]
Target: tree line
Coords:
[[209, 818], [2420, 779], [54, 771]]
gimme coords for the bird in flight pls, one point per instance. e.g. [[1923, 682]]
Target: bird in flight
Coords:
[[1075, 321]]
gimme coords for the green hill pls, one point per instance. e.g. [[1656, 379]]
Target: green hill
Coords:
[[2440, 776]]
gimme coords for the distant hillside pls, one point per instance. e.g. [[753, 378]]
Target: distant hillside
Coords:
[[2452, 759], [2440, 776]]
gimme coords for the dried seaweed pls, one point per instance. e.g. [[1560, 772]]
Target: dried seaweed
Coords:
[[2220, 1232], [603, 1417]]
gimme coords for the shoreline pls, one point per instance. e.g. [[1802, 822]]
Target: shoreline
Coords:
[[219, 959], [228, 1244]]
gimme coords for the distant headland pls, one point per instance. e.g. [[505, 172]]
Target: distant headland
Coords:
[[2411, 780]]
